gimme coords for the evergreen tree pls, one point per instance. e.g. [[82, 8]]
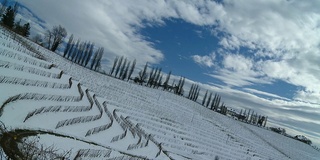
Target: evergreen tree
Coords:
[[208, 102], [213, 103], [151, 76], [75, 50], [191, 91], [69, 44], [156, 79], [8, 17], [89, 54], [179, 89], [132, 69], [119, 66], [23, 30], [69, 53], [82, 52], [160, 81], [98, 58], [78, 51], [123, 68], [252, 117], [17, 27], [143, 74], [218, 102], [265, 122], [204, 98], [176, 88], [85, 53], [196, 94], [166, 82], [247, 119], [125, 74], [114, 65], [26, 30]]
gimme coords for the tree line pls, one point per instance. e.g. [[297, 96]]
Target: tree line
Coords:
[[123, 69], [153, 77], [82, 52]]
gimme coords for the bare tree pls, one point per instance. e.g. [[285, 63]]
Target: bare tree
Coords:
[[58, 34]]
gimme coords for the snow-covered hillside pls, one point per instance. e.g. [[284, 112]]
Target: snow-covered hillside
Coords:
[[99, 117]]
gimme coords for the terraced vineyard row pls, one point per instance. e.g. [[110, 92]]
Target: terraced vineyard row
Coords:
[[100, 117], [51, 102]]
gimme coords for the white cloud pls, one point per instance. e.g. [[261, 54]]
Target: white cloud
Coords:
[[112, 24], [237, 62], [308, 96], [207, 60], [237, 70], [265, 93], [283, 38], [115, 24]]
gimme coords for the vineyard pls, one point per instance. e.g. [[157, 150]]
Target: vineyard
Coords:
[[94, 116]]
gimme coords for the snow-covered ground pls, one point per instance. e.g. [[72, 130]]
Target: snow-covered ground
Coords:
[[100, 117]]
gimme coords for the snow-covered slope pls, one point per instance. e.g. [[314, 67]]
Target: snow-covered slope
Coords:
[[100, 117]]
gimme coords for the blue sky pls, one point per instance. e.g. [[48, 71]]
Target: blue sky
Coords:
[[180, 41], [260, 55]]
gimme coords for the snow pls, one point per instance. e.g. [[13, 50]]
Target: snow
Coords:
[[106, 116]]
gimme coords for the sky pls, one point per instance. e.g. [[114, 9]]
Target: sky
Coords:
[[261, 55]]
